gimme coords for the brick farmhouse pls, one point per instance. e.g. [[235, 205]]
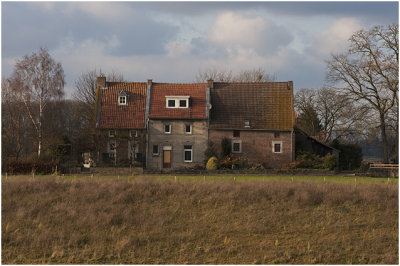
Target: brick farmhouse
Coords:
[[168, 125]]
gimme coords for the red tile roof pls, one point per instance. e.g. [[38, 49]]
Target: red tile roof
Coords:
[[266, 105], [112, 115], [197, 93]]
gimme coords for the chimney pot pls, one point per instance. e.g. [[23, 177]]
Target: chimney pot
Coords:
[[149, 82]]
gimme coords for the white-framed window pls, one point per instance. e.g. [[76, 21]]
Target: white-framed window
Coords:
[[177, 101], [187, 153], [236, 146], [167, 129], [246, 123], [277, 147], [122, 100], [188, 129], [111, 133], [155, 150], [133, 133]]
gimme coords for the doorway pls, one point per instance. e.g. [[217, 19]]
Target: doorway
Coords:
[[166, 158]]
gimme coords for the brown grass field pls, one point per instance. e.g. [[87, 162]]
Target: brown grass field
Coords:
[[149, 221]]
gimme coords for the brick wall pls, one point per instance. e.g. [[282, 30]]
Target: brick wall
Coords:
[[257, 146], [122, 139]]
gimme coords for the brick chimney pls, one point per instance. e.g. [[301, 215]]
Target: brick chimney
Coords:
[[149, 82], [101, 81], [210, 83]]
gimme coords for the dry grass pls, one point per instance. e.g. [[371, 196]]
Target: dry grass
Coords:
[[50, 221]]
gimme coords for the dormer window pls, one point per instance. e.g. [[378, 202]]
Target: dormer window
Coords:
[[246, 123], [123, 98], [177, 101]]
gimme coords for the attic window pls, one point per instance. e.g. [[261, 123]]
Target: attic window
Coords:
[[177, 101], [123, 98]]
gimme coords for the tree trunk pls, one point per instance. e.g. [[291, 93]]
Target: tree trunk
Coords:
[[384, 138]]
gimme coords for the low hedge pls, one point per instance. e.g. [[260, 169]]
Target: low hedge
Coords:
[[18, 167]]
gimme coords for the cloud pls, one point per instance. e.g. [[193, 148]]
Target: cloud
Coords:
[[335, 38], [27, 27], [246, 33]]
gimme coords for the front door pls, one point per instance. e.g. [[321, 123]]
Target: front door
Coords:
[[167, 159]]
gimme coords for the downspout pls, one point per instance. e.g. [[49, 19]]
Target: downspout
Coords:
[[292, 134], [146, 118]]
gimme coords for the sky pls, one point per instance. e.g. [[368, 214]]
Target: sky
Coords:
[[174, 41]]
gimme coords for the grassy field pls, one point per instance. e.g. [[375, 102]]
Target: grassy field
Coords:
[[149, 220]]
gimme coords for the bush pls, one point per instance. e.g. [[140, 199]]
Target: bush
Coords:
[[212, 163], [225, 147], [29, 166], [329, 161], [309, 160], [233, 162]]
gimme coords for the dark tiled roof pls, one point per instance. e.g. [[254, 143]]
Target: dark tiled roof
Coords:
[[197, 93], [124, 116], [267, 105]]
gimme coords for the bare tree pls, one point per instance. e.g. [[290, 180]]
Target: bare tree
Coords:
[[15, 124], [85, 90], [85, 97], [38, 80], [338, 115], [252, 75], [368, 72]]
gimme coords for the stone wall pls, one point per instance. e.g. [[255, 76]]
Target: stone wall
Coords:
[[177, 139]]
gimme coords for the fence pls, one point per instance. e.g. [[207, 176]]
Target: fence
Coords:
[[384, 169]]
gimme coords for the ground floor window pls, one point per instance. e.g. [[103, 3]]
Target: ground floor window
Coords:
[[155, 149], [277, 146], [188, 153], [236, 146]]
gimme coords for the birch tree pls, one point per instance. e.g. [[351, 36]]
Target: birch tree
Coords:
[[38, 80], [368, 73]]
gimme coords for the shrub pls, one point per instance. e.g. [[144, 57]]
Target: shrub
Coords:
[[233, 162], [309, 160], [329, 161], [225, 147], [29, 166], [212, 163]]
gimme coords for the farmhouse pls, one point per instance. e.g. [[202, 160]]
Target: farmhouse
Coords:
[[167, 125], [120, 120], [257, 118], [177, 125]]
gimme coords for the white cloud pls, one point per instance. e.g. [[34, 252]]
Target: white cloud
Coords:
[[335, 38], [237, 32]]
